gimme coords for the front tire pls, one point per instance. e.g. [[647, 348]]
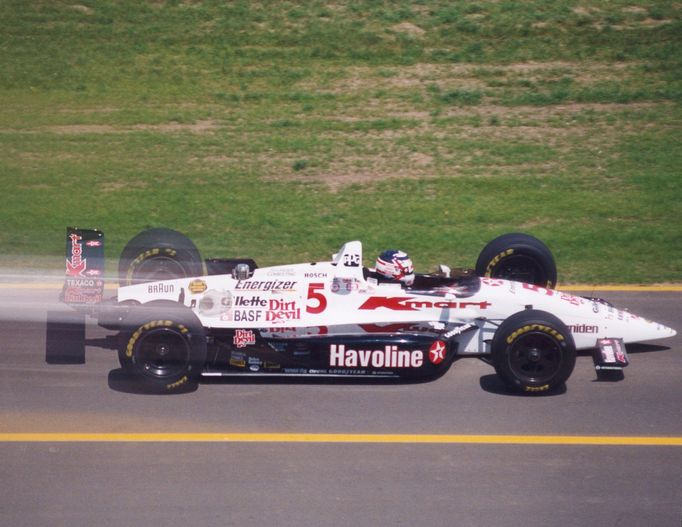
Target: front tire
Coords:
[[533, 352], [518, 257], [163, 347]]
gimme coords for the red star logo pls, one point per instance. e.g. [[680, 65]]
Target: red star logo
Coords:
[[437, 352]]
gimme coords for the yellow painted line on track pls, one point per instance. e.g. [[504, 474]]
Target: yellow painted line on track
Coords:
[[623, 288], [336, 438], [31, 285]]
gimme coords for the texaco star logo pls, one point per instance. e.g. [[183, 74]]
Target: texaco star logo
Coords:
[[437, 352]]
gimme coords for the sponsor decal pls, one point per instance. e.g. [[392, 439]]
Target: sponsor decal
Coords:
[[583, 328], [344, 286], [160, 288], [538, 289], [80, 297], [351, 260], [287, 332], [243, 338], [408, 303], [270, 310], [388, 357], [279, 347], [215, 303], [437, 352], [93, 243], [238, 360], [83, 290], [82, 282], [77, 265], [573, 300], [93, 272], [254, 301], [459, 330], [282, 316], [247, 315], [281, 311], [197, 286], [492, 282], [281, 272], [338, 371], [610, 354], [315, 275], [264, 285]]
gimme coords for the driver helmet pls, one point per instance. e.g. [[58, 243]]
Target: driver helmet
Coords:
[[395, 265]]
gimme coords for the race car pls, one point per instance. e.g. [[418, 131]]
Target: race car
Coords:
[[180, 318]]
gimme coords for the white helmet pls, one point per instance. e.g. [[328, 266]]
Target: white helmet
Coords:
[[395, 265]]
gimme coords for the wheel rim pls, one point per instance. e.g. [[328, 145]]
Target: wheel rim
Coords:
[[157, 269], [163, 353], [520, 268], [535, 358]]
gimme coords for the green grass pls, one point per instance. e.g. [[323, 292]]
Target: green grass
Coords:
[[279, 131]]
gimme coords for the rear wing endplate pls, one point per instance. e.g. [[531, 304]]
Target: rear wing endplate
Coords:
[[84, 281]]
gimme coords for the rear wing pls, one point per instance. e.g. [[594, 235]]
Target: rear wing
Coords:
[[84, 281]]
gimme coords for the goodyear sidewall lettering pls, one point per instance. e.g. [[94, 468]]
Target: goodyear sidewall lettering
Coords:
[[536, 389], [130, 347], [171, 253], [496, 260], [536, 328]]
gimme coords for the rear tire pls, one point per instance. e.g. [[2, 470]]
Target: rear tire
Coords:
[[533, 352], [518, 257], [159, 254], [163, 347]]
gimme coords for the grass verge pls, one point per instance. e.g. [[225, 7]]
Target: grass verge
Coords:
[[279, 133]]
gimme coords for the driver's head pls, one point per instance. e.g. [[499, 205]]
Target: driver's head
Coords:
[[395, 265]]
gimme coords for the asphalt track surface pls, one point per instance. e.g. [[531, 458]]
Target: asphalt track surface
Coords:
[[459, 451]]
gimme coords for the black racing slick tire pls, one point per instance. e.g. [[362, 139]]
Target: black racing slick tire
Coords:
[[519, 257], [533, 352], [159, 254], [162, 347]]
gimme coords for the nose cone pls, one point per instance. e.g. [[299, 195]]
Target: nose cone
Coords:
[[632, 328], [670, 331], [654, 330]]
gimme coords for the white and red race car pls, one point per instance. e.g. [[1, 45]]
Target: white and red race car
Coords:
[[180, 318]]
